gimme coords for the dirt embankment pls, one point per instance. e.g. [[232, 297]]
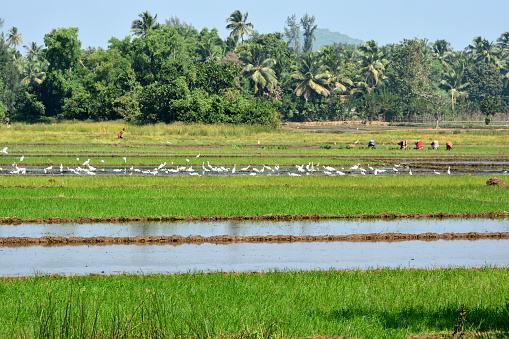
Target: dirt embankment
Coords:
[[265, 217], [228, 239]]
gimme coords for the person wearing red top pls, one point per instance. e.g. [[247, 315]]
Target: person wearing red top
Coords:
[[121, 134], [419, 144]]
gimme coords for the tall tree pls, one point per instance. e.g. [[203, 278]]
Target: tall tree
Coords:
[[14, 37], [484, 51], [292, 33], [140, 27], [454, 81], [308, 25], [372, 64], [260, 70], [34, 50], [239, 26], [310, 76], [441, 50], [64, 49]]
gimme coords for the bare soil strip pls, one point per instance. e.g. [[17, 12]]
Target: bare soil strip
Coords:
[[228, 239], [265, 217]]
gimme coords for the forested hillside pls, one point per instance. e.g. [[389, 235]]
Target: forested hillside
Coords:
[[166, 72]]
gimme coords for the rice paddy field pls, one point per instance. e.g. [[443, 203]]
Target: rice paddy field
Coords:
[[76, 172]]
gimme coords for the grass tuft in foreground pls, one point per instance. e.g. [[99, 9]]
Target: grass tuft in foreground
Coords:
[[379, 303]]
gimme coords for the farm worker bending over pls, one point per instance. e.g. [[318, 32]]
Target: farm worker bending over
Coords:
[[448, 145], [434, 144], [419, 144], [402, 144], [371, 143], [121, 134]]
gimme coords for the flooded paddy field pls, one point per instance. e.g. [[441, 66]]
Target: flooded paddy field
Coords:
[[143, 259], [257, 256], [253, 228]]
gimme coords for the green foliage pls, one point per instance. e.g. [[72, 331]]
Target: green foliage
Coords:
[[63, 49], [170, 72], [489, 106]]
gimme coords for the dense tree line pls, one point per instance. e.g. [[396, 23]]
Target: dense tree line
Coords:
[[173, 72]]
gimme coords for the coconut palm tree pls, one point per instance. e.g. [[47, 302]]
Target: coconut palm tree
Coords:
[[262, 75], [310, 76], [239, 26], [503, 41], [441, 50], [32, 71], [33, 49], [485, 51], [372, 63], [140, 27], [14, 37], [454, 82]]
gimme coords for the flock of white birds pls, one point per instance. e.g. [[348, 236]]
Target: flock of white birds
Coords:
[[207, 169]]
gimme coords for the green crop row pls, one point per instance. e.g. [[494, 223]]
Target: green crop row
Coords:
[[35, 197]]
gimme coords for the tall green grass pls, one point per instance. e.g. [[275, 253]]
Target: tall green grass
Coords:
[[362, 304]]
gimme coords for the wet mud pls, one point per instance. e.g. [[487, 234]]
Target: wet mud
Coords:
[[227, 239], [265, 217]]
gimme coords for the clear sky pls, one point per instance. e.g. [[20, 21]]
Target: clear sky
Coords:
[[387, 21]]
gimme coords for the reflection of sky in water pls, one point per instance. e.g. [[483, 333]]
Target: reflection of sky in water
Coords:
[[246, 228], [113, 259]]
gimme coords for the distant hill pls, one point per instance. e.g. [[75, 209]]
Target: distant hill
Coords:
[[325, 37]]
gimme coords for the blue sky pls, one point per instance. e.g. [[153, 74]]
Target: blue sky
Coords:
[[388, 21]]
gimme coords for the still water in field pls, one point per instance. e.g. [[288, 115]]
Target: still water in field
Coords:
[[248, 228], [241, 257]]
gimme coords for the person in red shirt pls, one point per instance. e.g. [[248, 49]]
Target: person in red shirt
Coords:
[[121, 134], [419, 144]]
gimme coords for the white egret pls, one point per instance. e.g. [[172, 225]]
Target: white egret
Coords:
[[198, 155], [234, 168], [21, 159], [410, 172], [161, 166], [86, 162], [125, 159], [4, 151], [340, 173], [61, 168], [245, 168], [355, 167], [395, 169], [449, 170], [194, 173], [252, 173], [437, 173], [102, 161], [293, 174]]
